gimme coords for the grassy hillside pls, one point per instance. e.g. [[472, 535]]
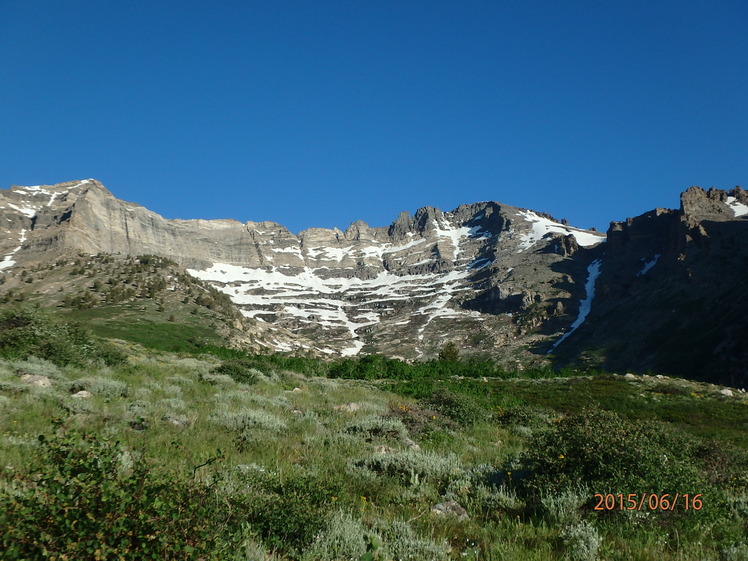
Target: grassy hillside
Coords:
[[223, 455]]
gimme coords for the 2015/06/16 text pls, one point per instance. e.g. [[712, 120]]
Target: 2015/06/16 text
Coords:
[[651, 501]]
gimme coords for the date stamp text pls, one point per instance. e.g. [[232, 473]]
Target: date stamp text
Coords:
[[648, 501]]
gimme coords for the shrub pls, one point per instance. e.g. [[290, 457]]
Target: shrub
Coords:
[[524, 415], [343, 538], [346, 538], [581, 541], [455, 406], [612, 455], [216, 379], [82, 502], [399, 541], [173, 403], [564, 507], [100, 386], [240, 370], [477, 489], [37, 366], [734, 552], [27, 332], [413, 467], [288, 511], [370, 367], [449, 352], [247, 419], [378, 427]]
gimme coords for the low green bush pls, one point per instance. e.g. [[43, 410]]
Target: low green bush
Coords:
[[611, 454], [289, 510], [81, 501], [26, 332], [370, 367], [240, 370], [524, 415], [456, 406]]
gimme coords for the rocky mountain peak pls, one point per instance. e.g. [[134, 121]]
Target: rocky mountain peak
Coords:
[[715, 204], [500, 281]]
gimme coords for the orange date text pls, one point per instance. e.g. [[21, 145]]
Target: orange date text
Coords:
[[648, 501]]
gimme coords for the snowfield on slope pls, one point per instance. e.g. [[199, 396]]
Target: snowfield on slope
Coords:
[[335, 302], [543, 226], [737, 207]]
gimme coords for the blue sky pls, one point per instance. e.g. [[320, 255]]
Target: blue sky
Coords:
[[320, 113]]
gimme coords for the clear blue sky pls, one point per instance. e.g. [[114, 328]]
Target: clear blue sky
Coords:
[[318, 113]]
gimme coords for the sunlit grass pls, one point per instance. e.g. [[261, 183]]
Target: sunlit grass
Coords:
[[392, 457]]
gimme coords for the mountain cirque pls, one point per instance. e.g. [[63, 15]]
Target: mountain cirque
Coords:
[[500, 281]]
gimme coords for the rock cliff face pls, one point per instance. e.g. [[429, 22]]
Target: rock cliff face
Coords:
[[500, 281], [671, 294], [468, 275]]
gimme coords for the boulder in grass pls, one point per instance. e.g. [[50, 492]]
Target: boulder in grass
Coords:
[[177, 420], [450, 508], [348, 407], [383, 449], [34, 380]]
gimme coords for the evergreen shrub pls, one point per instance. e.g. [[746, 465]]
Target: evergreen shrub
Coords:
[[456, 406], [240, 370], [612, 454], [82, 501], [27, 332]]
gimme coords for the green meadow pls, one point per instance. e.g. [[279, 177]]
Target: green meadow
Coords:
[[158, 443]]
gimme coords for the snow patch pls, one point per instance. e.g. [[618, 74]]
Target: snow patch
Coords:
[[541, 227], [648, 265], [738, 208], [28, 211], [585, 306], [477, 232], [479, 264], [445, 230], [335, 302], [8, 259], [290, 249], [397, 248]]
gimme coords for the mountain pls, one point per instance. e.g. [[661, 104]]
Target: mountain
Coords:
[[662, 291], [671, 294]]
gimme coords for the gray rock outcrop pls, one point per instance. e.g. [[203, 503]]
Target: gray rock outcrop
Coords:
[[664, 292]]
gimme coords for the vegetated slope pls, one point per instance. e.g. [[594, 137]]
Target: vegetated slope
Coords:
[[188, 457], [146, 299]]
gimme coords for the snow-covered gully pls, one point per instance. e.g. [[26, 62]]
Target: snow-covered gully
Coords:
[[585, 306]]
